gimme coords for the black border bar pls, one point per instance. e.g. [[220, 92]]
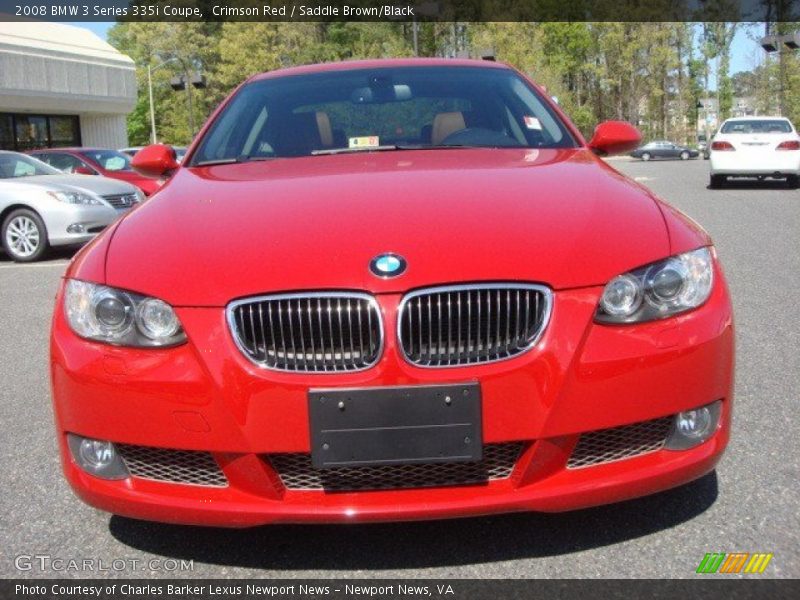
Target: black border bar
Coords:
[[706, 587], [402, 10]]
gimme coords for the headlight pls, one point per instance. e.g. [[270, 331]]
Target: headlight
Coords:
[[659, 290], [75, 198], [106, 314]]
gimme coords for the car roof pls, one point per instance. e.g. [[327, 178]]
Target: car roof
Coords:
[[349, 65], [759, 118], [72, 149]]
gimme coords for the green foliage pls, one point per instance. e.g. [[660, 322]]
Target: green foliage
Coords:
[[649, 73]]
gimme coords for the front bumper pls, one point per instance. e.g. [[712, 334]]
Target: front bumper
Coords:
[[581, 377], [59, 216]]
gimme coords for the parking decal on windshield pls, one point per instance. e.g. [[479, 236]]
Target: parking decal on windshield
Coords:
[[369, 141]]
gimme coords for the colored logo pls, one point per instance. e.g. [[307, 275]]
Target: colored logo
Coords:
[[387, 265], [734, 562]]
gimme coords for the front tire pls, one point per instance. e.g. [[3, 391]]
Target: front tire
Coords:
[[24, 236], [646, 156], [717, 182]]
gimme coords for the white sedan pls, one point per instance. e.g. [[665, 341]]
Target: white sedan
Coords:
[[755, 147]]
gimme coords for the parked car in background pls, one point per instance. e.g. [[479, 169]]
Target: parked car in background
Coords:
[[41, 206], [97, 161], [761, 147], [180, 151], [131, 151], [290, 317], [702, 146], [663, 149]]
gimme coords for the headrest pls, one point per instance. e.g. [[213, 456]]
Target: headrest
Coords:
[[324, 127], [445, 124]]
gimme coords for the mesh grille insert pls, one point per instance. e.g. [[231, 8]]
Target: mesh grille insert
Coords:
[[297, 473], [618, 443], [173, 466]]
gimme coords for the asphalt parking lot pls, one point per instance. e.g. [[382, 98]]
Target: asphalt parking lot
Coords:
[[750, 504]]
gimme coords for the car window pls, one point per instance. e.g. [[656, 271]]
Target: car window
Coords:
[[63, 162], [415, 107], [110, 160], [757, 126], [19, 165]]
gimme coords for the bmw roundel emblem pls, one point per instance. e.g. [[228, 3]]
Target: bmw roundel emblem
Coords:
[[387, 265]]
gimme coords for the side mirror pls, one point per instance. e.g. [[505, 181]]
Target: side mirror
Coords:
[[615, 137], [156, 161], [84, 171]]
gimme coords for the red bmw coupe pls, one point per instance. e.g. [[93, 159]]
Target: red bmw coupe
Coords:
[[390, 290]]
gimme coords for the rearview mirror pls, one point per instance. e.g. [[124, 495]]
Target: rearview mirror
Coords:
[[84, 171], [156, 161], [615, 137], [381, 94]]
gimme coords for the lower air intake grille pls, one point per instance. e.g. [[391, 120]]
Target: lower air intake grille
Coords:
[[619, 443], [296, 472], [173, 466]]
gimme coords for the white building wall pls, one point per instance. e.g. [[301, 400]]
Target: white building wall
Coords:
[[104, 131], [50, 68]]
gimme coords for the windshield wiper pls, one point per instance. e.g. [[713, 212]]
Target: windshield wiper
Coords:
[[328, 151], [390, 147], [230, 161], [353, 150], [439, 147]]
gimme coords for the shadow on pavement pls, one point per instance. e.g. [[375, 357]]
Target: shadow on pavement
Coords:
[[421, 544]]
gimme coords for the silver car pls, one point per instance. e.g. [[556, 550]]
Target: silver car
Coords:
[[42, 207]]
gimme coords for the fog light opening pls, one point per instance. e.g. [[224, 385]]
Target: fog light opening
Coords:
[[97, 457], [693, 427], [76, 228]]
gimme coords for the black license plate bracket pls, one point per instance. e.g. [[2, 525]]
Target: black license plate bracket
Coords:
[[395, 425]]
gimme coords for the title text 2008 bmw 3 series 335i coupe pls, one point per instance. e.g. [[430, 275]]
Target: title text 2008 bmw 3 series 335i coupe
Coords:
[[390, 290]]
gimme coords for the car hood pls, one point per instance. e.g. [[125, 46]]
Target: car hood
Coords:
[[558, 217], [102, 186]]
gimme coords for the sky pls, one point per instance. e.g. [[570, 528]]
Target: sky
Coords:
[[745, 52]]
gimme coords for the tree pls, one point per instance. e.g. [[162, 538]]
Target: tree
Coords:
[[649, 73]]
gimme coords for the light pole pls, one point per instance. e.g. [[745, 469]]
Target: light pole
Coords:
[[153, 139], [779, 44], [187, 81]]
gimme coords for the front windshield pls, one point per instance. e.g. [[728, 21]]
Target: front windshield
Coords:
[[13, 165], [110, 160], [385, 108]]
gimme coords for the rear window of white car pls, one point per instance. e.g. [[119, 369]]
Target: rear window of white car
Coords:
[[758, 126]]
